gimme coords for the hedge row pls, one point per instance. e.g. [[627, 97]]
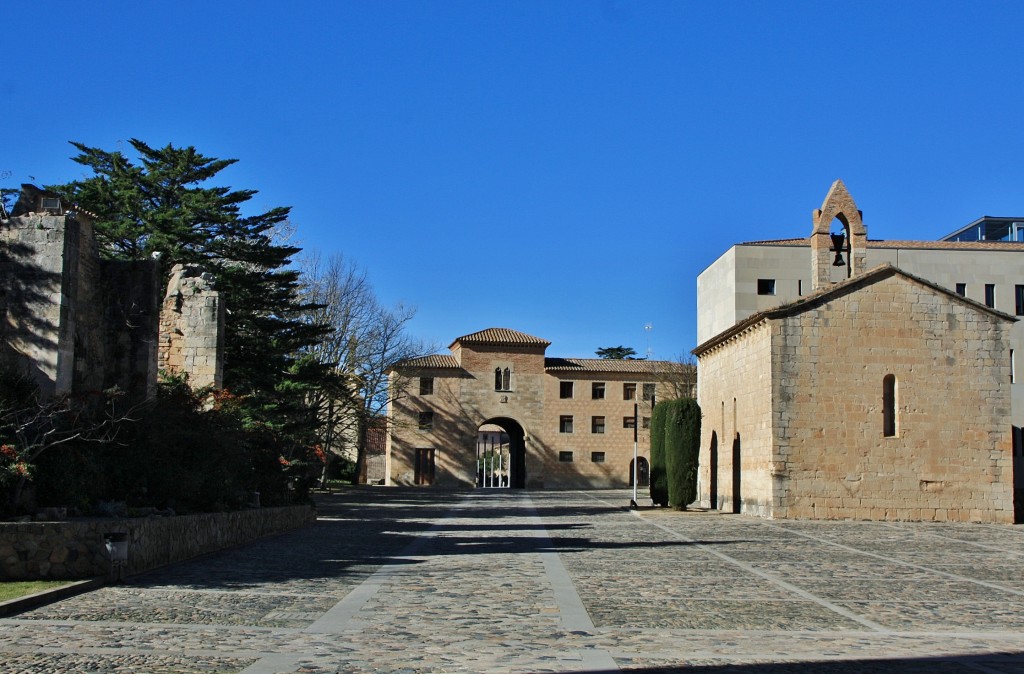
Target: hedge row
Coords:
[[675, 443]]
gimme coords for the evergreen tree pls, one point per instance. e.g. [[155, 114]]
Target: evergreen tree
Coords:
[[164, 203]]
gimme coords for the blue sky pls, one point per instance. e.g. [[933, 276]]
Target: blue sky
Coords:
[[561, 168]]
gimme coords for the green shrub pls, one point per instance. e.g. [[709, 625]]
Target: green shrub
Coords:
[[682, 444], [659, 479]]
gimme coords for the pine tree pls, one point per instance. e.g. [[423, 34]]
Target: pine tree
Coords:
[[164, 203]]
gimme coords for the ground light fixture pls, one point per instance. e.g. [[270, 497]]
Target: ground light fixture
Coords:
[[116, 543]]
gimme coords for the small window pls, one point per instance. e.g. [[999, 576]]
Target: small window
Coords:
[[597, 457], [426, 386], [502, 379], [1019, 295], [765, 286], [1013, 368], [426, 421], [565, 423], [629, 391], [565, 389], [990, 295], [597, 424], [648, 392], [597, 390], [800, 288], [889, 404], [645, 422], [565, 457], [961, 289], [629, 422]]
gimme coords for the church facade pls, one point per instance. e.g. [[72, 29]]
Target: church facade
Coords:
[[882, 395]]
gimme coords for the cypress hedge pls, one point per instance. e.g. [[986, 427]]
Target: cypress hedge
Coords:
[[681, 447], [659, 483]]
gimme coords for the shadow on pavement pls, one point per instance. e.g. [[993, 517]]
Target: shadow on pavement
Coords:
[[360, 531], [993, 663]]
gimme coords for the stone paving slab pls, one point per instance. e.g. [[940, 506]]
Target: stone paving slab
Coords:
[[515, 582]]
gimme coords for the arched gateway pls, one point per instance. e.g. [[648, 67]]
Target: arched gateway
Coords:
[[501, 454]]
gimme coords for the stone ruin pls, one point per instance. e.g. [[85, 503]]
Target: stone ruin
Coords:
[[77, 323]]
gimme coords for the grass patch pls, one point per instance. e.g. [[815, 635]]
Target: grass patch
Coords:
[[15, 589]]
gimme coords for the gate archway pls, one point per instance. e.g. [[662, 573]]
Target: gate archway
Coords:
[[500, 454]]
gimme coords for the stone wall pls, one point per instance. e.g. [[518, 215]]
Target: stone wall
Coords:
[[951, 455], [75, 549], [734, 390], [77, 323], [192, 327]]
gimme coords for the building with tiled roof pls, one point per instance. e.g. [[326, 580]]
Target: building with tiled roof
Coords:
[[844, 377], [497, 412]]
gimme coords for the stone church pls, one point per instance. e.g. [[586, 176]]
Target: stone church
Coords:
[[881, 396]]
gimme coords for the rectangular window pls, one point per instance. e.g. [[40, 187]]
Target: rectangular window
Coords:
[[648, 392], [628, 391], [565, 389], [565, 423], [629, 422], [1019, 293], [961, 289], [597, 457], [565, 457], [426, 386], [990, 295], [1013, 368], [765, 286], [645, 422], [597, 424], [800, 288], [597, 389], [426, 421]]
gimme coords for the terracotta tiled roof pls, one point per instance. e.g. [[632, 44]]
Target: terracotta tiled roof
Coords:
[[440, 360], [824, 294], [897, 243], [502, 337], [609, 365]]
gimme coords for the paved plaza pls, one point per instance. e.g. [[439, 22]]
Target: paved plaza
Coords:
[[424, 581]]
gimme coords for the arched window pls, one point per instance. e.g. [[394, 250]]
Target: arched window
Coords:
[[506, 380], [497, 379], [889, 403]]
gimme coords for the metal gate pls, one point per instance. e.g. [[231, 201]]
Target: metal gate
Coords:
[[493, 469]]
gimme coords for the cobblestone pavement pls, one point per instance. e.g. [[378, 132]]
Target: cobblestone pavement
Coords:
[[508, 582]]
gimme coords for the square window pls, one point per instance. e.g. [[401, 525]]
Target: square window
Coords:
[[961, 289], [629, 391], [565, 423], [597, 457], [426, 421], [648, 392], [565, 457], [645, 422], [565, 389], [597, 390], [597, 424], [765, 286], [990, 295], [629, 422], [426, 386]]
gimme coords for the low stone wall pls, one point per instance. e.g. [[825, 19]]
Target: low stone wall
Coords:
[[76, 549]]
